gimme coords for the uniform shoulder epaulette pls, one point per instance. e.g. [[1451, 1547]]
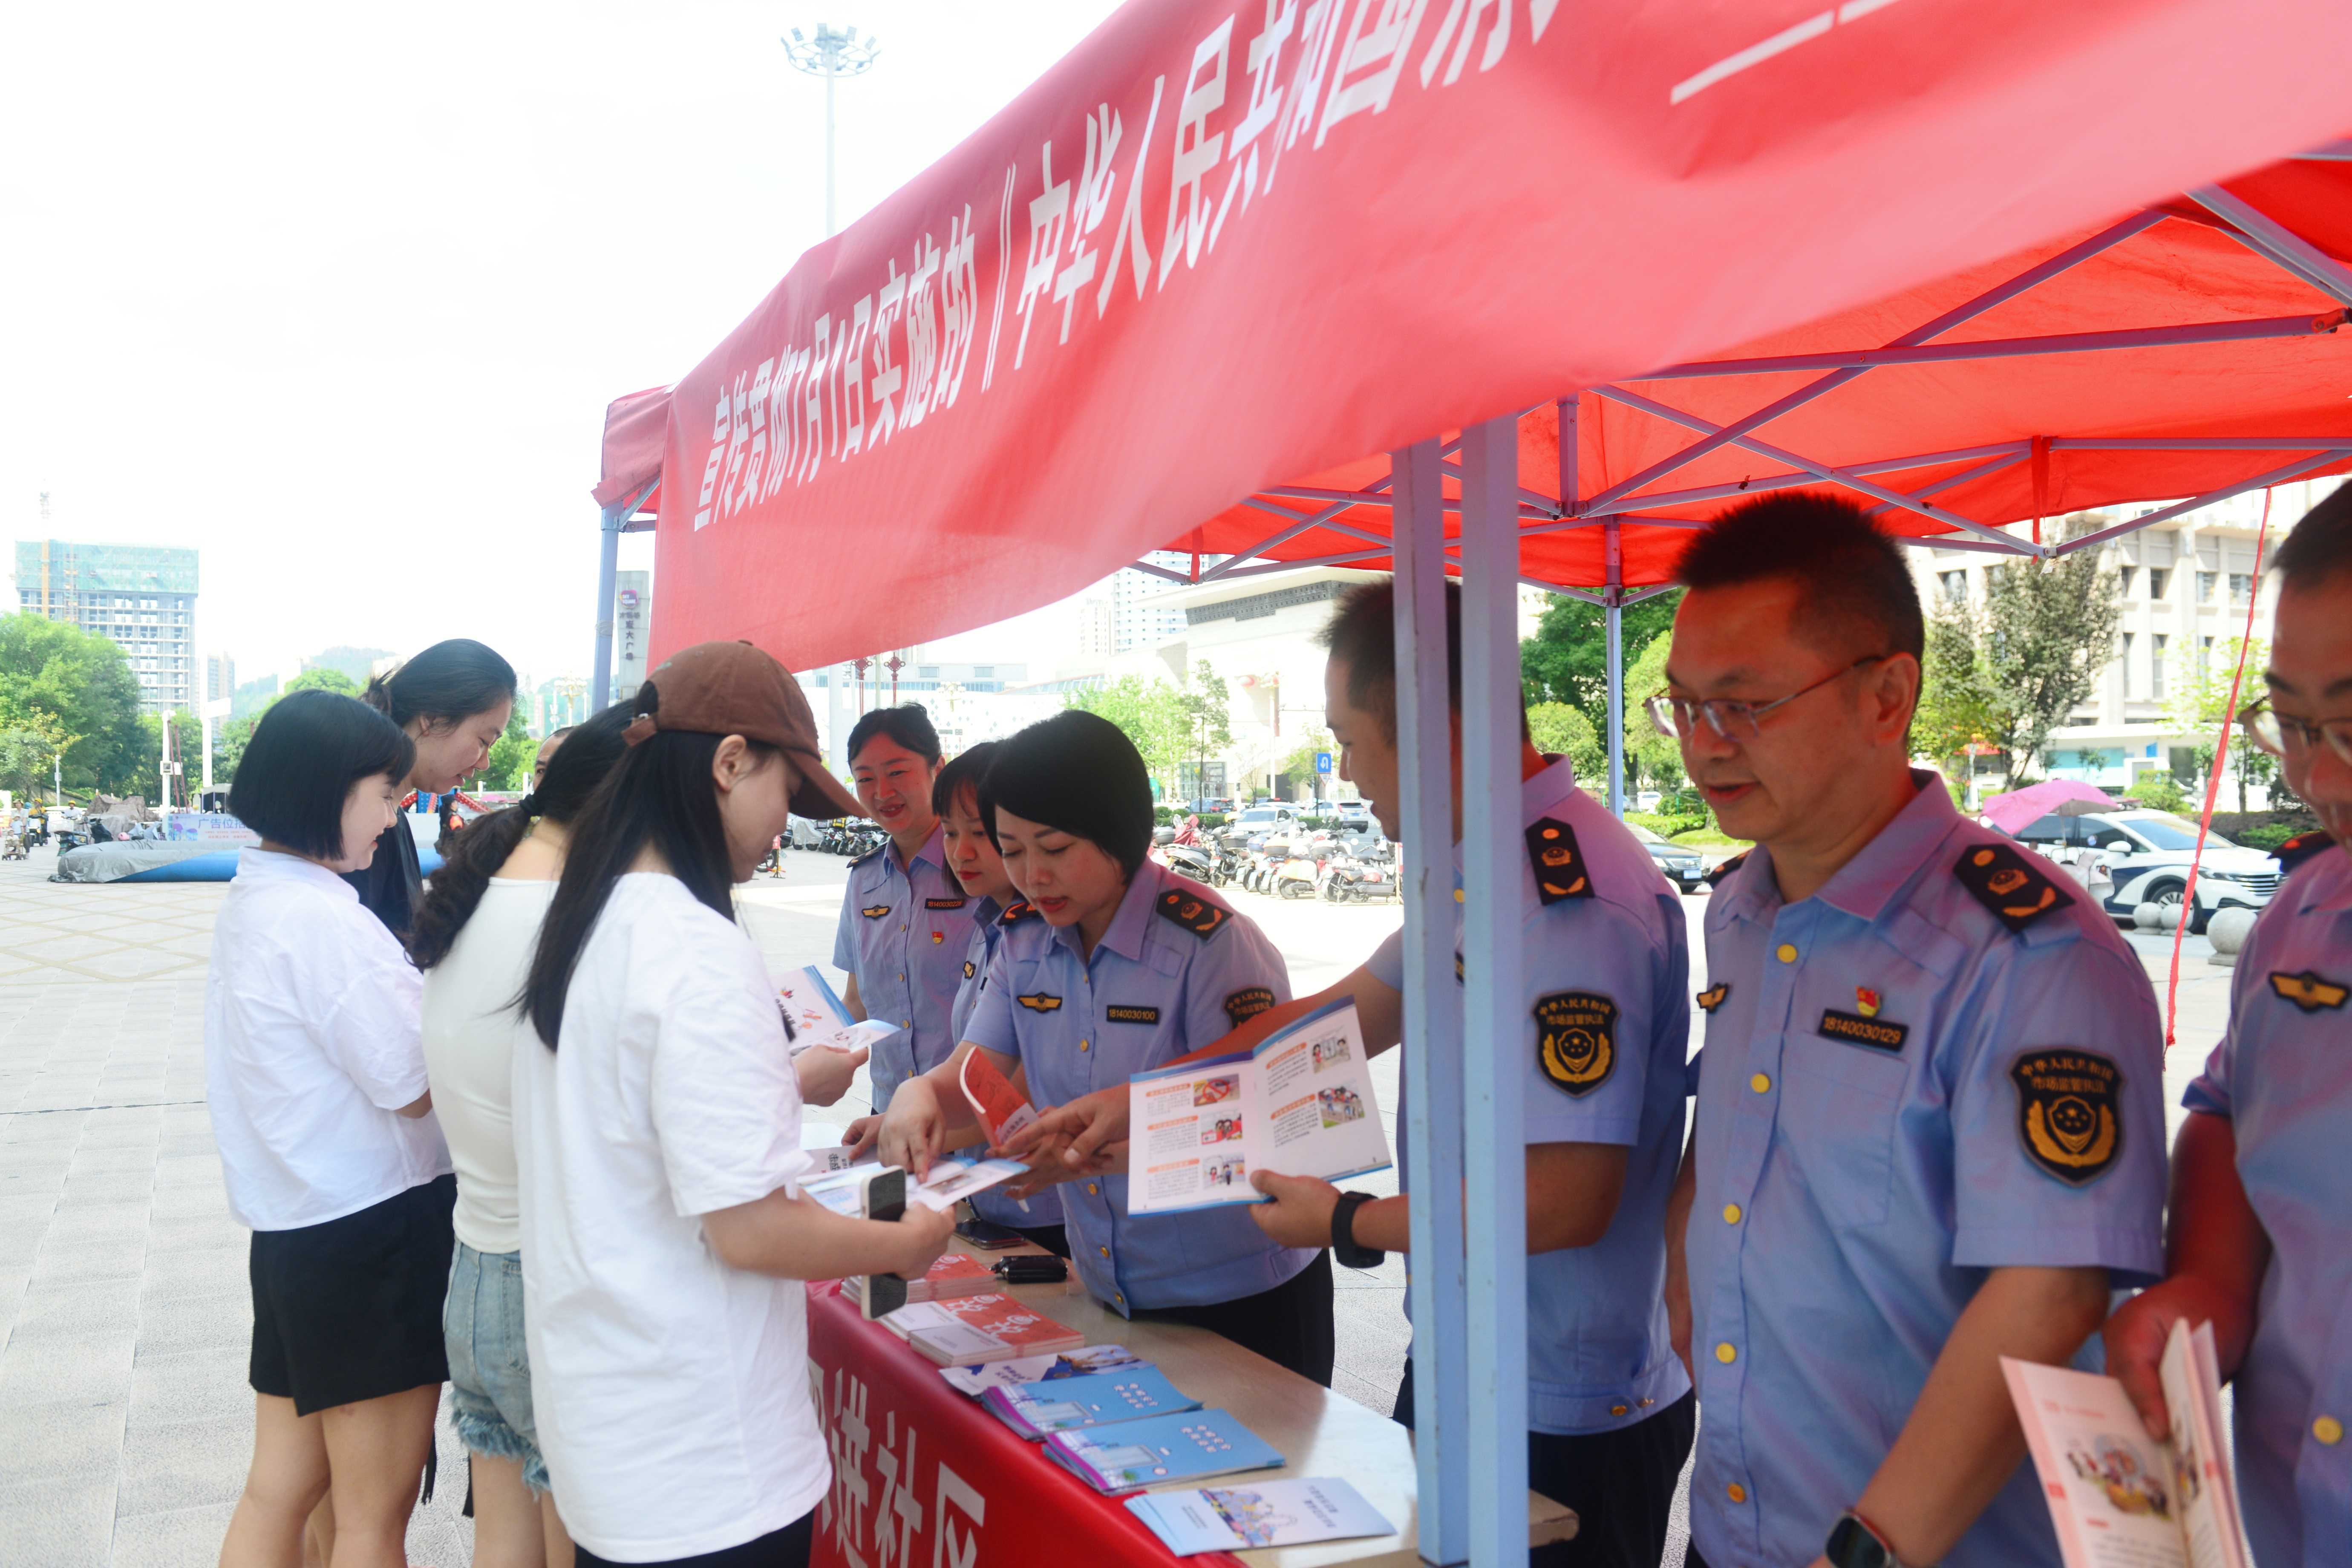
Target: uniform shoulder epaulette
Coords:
[[1015, 914], [1715, 876], [2302, 847], [2004, 879], [869, 855], [1192, 912], [1558, 863]]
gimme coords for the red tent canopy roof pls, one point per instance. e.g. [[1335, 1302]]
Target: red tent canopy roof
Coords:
[[1225, 250]]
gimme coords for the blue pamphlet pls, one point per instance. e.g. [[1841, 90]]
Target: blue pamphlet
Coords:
[[1270, 1513], [1065, 1405], [1157, 1449]]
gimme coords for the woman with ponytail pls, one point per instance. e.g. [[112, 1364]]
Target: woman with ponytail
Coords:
[[453, 702]]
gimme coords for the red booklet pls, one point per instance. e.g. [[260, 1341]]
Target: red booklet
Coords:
[[999, 1105], [951, 1274], [992, 1327]]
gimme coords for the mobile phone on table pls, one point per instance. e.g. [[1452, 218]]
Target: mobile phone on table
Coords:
[[987, 1235]]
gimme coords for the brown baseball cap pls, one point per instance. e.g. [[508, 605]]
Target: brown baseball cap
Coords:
[[734, 689]]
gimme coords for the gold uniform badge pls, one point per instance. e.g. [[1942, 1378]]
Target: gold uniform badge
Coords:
[[1041, 1002], [1712, 997], [1576, 1039], [968, 970], [2308, 991], [874, 911], [2069, 1113]]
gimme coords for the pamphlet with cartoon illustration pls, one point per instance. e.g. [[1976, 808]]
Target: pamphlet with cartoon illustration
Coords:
[[1127, 1454], [1271, 1513], [2118, 1498], [813, 1015], [1300, 1104], [979, 1379]]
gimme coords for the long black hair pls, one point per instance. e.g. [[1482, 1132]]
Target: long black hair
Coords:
[[448, 681], [661, 794], [590, 751], [297, 769]]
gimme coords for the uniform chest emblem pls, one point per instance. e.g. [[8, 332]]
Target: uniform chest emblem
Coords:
[[2308, 991], [1123, 1013], [1576, 1039], [874, 911], [945, 903], [1196, 915], [1247, 1003], [1041, 1002], [968, 970], [1558, 864], [938, 939], [2069, 1113], [2003, 882], [1865, 1000], [1712, 997]]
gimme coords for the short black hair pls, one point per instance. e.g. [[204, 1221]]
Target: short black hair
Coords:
[[2320, 546], [1857, 585], [908, 724], [967, 771], [1362, 633], [298, 767], [1078, 773], [448, 681]]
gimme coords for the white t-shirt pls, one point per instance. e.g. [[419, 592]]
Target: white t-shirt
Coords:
[[671, 1391], [472, 1031], [310, 1049]]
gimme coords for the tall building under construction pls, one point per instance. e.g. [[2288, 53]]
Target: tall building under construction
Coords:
[[142, 596]]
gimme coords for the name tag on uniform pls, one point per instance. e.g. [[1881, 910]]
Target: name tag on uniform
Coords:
[[1877, 1033], [945, 903], [1119, 1013]]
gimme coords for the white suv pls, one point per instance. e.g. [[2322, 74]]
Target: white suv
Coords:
[[2136, 856]]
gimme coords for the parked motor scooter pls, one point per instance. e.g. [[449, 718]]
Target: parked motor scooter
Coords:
[[1187, 860], [1295, 876]]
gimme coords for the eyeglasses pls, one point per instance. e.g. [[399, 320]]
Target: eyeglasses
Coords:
[[2284, 737], [1677, 717]]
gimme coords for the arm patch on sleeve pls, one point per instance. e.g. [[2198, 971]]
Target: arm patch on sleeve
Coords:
[[1576, 1039], [2070, 1119], [2004, 880], [1247, 1003], [1558, 864]]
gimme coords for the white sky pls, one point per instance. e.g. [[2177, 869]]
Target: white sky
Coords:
[[337, 294]]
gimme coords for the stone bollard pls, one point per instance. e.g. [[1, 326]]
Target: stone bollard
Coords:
[[2168, 917], [2229, 929], [2145, 916]]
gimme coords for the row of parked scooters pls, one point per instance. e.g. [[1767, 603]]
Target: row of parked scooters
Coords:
[[1338, 866]]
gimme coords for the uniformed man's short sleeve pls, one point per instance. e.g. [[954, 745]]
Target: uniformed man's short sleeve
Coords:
[[990, 1024], [1585, 1041], [2210, 1091], [845, 935], [1237, 975], [2057, 1116]]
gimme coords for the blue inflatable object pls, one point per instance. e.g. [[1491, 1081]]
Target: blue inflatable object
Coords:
[[221, 866]]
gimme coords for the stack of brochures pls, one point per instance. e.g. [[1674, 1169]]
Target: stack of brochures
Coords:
[[1036, 1410], [953, 1274], [1271, 1513], [982, 1377], [969, 1330], [1126, 1455]]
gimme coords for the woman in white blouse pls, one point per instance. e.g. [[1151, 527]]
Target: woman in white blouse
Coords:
[[329, 1148]]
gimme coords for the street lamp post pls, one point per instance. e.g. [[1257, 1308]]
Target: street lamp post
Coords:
[[833, 52]]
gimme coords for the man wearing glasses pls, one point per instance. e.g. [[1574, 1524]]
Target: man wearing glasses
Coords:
[[1930, 1099], [2260, 1232]]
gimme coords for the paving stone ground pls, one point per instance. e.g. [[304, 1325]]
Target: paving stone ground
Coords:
[[126, 1421]]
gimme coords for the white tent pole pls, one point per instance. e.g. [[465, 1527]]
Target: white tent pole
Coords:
[[608, 562], [1495, 1025], [1613, 596], [1436, 1285]]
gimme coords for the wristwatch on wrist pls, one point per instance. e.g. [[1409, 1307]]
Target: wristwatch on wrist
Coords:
[[1855, 1543], [1343, 1234]]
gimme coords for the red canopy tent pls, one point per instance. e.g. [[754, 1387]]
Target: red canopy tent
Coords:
[[1186, 289]]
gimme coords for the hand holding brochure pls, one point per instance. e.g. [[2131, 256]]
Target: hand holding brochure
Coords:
[[2118, 1498], [953, 1177], [813, 1015], [1300, 1103], [1039, 1409], [1131, 1454], [1271, 1513]]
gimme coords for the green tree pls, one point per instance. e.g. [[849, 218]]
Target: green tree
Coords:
[[1558, 728], [320, 678], [1650, 757], [1568, 659], [2201, 705], [511, 754], [1153, 714], [27, 749], [1959, 706], [2049, 630], [59, 680]]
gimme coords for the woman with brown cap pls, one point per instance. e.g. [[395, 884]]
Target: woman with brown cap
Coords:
[[658, 1150]]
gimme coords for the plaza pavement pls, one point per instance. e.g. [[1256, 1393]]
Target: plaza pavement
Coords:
[[126, 1421]]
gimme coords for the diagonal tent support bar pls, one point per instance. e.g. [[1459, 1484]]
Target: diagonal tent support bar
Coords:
[[1770, 482], [2266, 236], [1345, 530], [2011, 348], [1845, 477], [2260, 481], [1436, 1286], [1723, 436], [2006, 460]]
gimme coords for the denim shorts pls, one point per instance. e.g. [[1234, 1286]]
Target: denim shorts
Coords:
[[489, 1367]]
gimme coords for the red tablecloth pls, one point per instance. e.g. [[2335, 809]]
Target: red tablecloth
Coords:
[[924, 1478]]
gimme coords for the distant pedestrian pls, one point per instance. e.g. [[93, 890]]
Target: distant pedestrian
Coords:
[[453, 700], [328, 1149]]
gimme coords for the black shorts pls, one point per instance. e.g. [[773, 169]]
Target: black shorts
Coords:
[[351, 1309], [787, 1548], [1290, 1325]]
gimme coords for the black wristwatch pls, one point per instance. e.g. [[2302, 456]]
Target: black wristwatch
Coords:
[[1852, 1544], [1343, 1234]]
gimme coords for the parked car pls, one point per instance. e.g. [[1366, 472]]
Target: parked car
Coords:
[[1682, 864], [1259, 819], [1647, 800], [1352, 813], [2134, 857]]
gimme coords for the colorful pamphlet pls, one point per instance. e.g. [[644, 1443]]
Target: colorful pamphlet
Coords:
[[1300, 1103], [813, 1015], [1271, 1513], [822, 1143], [990, 1328], [979, 1378], [952, 1178], [950, 1275], [2118, 1498], [999, 1105], [1131, 1454], [1038, 1409]]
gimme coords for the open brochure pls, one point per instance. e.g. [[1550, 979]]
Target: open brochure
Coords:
[[1127, 1454], [813, 1015], [1300, 1103], [1271, 1513], [1040, 1409], [2118, 1498], [977, 1380], [953, 1177]]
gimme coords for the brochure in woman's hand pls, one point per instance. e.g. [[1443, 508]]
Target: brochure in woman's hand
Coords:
[[1300, 1104], [813, 1015]]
